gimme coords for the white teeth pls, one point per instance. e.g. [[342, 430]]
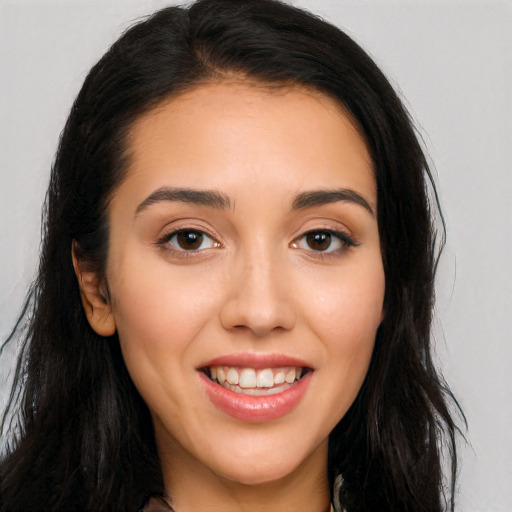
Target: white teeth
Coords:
[[259, 391], [250, 380], [232, 376], [279, 377], [265, 378], [290, 376], [247, 378]]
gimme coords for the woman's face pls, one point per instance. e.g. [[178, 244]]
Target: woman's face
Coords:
[[246, 276]]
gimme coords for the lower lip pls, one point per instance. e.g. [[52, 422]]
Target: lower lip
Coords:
[[255, 408]]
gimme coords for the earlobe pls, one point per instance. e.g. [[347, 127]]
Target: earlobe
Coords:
[[96, 306]]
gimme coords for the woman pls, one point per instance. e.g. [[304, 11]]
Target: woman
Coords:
[[236, 284]]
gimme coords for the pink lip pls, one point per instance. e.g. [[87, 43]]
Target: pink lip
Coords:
[[257, 361], [254, 409]]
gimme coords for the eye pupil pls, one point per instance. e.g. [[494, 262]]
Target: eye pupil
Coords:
[[318, 240], [189, 239]]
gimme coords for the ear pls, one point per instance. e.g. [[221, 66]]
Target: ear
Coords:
[[97, 309]]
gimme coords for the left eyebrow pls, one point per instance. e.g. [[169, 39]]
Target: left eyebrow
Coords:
[[210, 198], [321, 197]]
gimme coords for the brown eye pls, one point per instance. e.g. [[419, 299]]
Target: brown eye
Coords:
[[319, 240], [190, 240], [324, 241]]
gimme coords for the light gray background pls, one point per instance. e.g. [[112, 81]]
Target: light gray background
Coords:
[[452, 61]]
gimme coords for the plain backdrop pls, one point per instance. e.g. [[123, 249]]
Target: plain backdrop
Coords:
[[451, 60]]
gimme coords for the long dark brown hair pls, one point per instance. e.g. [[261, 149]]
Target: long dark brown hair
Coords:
[[80, 435]]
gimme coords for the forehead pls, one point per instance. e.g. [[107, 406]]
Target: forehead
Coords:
[[221, 133]]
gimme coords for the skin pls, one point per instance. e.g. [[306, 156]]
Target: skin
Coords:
[[255, 285]]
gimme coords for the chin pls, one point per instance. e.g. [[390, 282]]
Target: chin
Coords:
[[259, 474], [262, 468]]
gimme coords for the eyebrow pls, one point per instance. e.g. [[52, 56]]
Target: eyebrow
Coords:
[[210, 198], [321, 197], [219, 201]]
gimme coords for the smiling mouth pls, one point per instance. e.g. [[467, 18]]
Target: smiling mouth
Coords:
[[256, 382]]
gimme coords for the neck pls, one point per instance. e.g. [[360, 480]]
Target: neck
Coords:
[[191, 487]]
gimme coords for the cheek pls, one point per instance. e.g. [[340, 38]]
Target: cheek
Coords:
[[345, 314], [348, 308], [158, 313]]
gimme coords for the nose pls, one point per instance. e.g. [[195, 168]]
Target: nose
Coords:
[[259, 298]]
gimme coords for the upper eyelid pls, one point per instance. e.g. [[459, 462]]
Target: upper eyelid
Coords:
[[334, 227], [174, 232], [169, 231], [318, 222], [346, 238]]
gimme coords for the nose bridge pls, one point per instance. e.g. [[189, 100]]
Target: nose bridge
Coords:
[[259, 300], [260, 271]]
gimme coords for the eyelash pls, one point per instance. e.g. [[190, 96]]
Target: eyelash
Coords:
[[345, 240], [165, 242]]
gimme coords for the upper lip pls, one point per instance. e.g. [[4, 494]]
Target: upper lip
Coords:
[[255, 360]]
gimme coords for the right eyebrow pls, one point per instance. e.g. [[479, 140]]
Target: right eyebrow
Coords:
[[211, 198]]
